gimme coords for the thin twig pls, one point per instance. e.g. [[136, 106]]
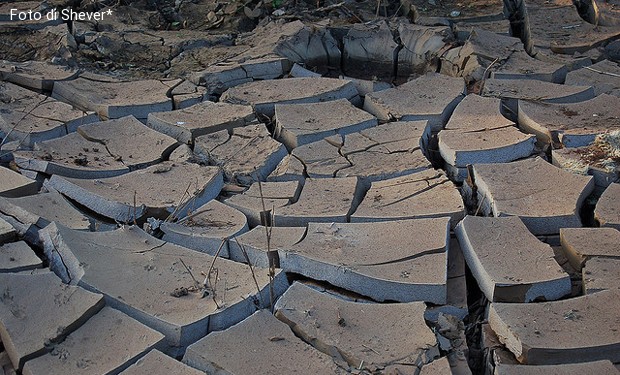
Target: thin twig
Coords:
[[197, 283], [247, 259], [602, 72], [178, 207]]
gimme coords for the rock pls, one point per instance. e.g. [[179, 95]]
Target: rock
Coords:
[[186, 94], [422, 47], [254, 243], [369, 47], [477, 113], [35, 75], [513, 90], [17, 257], [7, 232], [206, 228], [181, 187], [568, 35], [607, 211], [570, 125], [385, 151], [345, 330], [246, 155], [113, 100], [612, 51], [298, 71], [432, 97], [322, 200], [575, 330], [592, 160], [41, 209], [546, 198], [38, 311], [598, 367], [345, 255], [99, 150], [157, 363], [29, 117], [290, 169], [425, 194], [107, 343], [13, 184], [271, 348], [264, 95], [581, 244], [186, 124], [275, 195], [463, 29], [499, 55], [509, 263], [365, 86], [300, 124], [601, 274], [503, 145], [603, 76], [156, 287], [440, 366]]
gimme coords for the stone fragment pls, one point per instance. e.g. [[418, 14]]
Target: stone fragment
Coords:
[[154, 270], [41, 209], [298, 71], [289, 169], [99, 150], [264, 95], [246, 155], [425, 194], [35, 75], [369, 47], [422, 46], [607, 211], [581, 244], [322, 200], [186, 124], [604, 77], [509, 263], [502, 145], [463, 29], [187, 94], [597, 367], [500, 55], [157, 363], [546, 198], [18, 256], [431, 97], [580, 329], [365, 86], [411, 268], [300, 124], [601, 274], [511, 91], [29, 117], [358, 326], [562, 36], [385, 151], [7, 232], [254, 243], [38, 310], [275, 195], [270, 348], [440, 366], [570, 125], [107, 343], [477, 113], [206, 228], [595, 160], [113, 100], [13, 184], [180, 187]]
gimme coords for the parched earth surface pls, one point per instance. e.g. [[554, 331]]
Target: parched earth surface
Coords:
[[311, 187]]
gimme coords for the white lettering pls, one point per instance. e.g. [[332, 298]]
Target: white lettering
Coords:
[[25, 16]]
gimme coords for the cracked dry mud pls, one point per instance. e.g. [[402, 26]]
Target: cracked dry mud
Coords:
[[346, 189]]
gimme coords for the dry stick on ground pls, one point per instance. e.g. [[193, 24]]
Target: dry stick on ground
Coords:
[[272, 256], [602, 72], [135, 210], [196, 282], [207, 282], [178, 207], [247, 259]]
